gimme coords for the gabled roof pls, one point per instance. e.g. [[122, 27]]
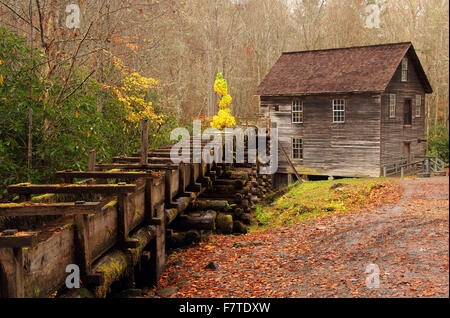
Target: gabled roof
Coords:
[[343, 70]]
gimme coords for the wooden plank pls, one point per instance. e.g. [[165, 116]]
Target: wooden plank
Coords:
[[151, 160], [49, 209], [73, 188], [131, 175], [18, 241], [137, 166]]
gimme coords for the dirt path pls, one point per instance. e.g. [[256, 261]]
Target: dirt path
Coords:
[[408, 243]]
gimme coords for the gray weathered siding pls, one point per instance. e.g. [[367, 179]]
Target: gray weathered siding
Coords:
[[348, 149], [393, 133]]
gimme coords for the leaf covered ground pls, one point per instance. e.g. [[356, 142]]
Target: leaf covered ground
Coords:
[[402, 227]]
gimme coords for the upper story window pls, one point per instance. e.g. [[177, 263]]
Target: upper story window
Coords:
[[338, 110], [404, 69], [418, 105], [297, 148], [297, 112], [392, 105]]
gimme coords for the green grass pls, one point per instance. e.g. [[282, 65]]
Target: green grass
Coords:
[[314, 199]]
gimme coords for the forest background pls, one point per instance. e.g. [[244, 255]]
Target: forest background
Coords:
[[88, 86]]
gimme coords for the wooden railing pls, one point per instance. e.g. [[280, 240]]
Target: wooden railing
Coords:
[[424, 165]]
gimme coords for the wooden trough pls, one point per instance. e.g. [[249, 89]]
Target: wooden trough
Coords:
[[117, 219], [106, 238]]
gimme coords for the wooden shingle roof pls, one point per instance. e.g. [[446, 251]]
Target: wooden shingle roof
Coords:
[[342, 70]]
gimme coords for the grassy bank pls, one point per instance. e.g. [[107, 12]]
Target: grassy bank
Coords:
[[314, 199]]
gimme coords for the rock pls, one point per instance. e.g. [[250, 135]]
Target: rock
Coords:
[[184, 239], [212, 265], [245, 218], [239, 227], [224, 224], [167, 292], [237, 213], [337, 185]]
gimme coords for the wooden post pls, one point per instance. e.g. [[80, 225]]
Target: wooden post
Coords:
[[182, 178], [402, 172], [11, 260], [144, 142], [148, 199], [83, 252], [427, 166], [122, 217], [158, 245], [384, 171], [91, 164]]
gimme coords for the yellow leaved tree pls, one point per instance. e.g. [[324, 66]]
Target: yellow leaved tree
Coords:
[[223, 119], [132, 93]]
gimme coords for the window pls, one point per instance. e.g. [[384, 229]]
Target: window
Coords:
[[297, 112], [404, 69], [338, 110], [418, 105], [407, 121], [392, 105], [297, 148]]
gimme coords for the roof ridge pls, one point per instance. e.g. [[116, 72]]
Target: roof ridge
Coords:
[[348, 47]]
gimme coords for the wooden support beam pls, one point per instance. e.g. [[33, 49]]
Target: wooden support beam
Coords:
[[91, 163], [18, 240], [12, 261], [137, 166], [82, 250], [290, 163], [122, 218], [131, 175], [158, 245], [49, 209], [150, 160], [183, 182], [72, 188], [144, 142]]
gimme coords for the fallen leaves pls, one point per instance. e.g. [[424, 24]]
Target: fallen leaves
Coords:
[[327, 257]]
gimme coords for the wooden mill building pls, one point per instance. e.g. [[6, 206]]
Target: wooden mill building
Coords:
[[346, 111]]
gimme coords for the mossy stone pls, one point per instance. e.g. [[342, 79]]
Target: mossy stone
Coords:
[[239, 227], [224, 223]]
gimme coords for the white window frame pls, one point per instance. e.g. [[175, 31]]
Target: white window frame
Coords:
[[405, 69], [418, 108], [339, 110], [297, 144], [392, 105], [297, 109]]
